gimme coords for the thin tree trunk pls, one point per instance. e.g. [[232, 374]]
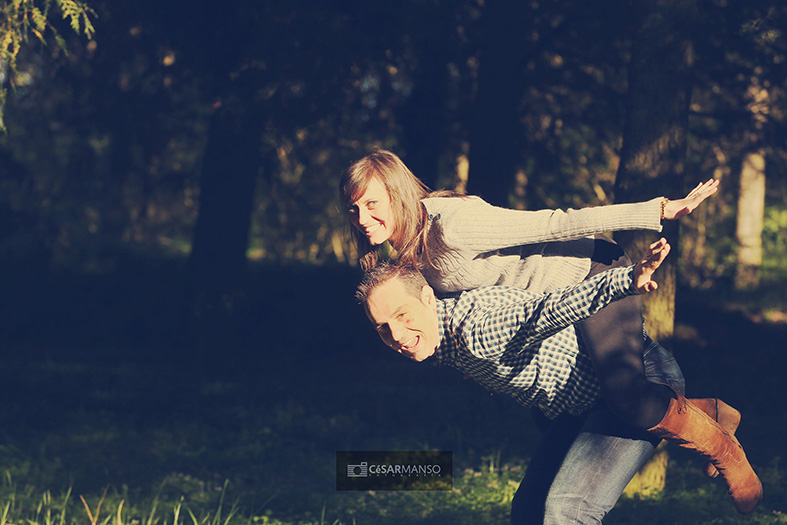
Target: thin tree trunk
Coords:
[[751, 197], [751, 212]]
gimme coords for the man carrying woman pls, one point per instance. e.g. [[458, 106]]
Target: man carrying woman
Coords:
[[462, 243]]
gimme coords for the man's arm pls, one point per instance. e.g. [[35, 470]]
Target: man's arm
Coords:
[[533, 320]]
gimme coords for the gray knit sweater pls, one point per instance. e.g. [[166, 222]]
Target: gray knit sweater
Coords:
[[473, 243]]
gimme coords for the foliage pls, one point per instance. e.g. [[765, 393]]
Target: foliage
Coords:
[[20, 18], [104, 149], [775, 229]]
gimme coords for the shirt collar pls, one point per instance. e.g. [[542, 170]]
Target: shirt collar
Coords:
[[446, 348]]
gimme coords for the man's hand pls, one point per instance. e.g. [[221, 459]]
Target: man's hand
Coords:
[[643, 271], [681, 207]]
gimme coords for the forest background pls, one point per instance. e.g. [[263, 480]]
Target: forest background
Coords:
[[177, 276]]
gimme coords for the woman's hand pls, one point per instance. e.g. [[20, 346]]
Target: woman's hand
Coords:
[[643, 271], [679, 208]]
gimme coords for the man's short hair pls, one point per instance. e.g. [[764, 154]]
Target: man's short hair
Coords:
[[412, 279]]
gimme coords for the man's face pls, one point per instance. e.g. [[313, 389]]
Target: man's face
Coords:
[[405, 323]]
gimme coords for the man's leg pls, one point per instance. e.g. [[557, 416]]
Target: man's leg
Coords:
[[559, 435], [596, 470], [605, 455], [578, 471]]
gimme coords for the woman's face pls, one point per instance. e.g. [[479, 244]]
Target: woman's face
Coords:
[[371, 213]]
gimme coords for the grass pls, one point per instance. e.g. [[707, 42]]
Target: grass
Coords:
[[114, 430], [109, 460], [479, 496]]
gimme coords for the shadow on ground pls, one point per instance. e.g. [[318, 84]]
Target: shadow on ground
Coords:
[[101, 391]]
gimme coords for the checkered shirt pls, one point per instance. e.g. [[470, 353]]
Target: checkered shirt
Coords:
[[523, 344]]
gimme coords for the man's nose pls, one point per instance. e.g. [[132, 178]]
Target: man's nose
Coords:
[[397, 331]]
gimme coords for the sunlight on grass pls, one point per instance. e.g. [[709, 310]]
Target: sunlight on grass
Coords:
[[27, 505], [479, 496]]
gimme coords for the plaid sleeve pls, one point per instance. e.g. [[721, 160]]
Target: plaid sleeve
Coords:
[[535, 318]]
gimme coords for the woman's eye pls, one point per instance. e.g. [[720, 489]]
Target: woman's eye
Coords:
[[371, 204]]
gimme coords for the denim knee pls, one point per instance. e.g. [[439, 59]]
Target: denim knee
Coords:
[[592, 477], [572, 509]]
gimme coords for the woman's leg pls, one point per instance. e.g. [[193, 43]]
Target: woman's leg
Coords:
[[614, 341]]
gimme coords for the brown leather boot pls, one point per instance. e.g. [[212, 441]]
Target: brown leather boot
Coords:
[[689, 427], [727, 417]]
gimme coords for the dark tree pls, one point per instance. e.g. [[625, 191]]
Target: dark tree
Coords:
[[423, 116], [217, 263], [653, 155], [495, 127]]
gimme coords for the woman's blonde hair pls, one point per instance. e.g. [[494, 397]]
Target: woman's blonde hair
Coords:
[[405, 190]]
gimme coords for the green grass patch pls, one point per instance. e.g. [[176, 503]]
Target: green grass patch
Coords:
[[144, 436], [114, 445]]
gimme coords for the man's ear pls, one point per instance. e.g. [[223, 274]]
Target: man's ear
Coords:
[[367, 312], [427, 296]]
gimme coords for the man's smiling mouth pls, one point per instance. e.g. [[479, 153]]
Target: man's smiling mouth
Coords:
[[408, 347]]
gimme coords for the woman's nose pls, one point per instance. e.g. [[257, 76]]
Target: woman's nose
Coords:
[[363, 216]]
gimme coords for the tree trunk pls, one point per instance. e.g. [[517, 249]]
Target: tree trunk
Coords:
[[229, 174], [751, 197], [652, 159], [751, 212], [423, 117], [495, 126], [217, 262]]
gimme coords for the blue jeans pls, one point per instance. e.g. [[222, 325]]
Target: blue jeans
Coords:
[[582, 464]]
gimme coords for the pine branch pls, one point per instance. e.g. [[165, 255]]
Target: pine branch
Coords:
[[20, 18]]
